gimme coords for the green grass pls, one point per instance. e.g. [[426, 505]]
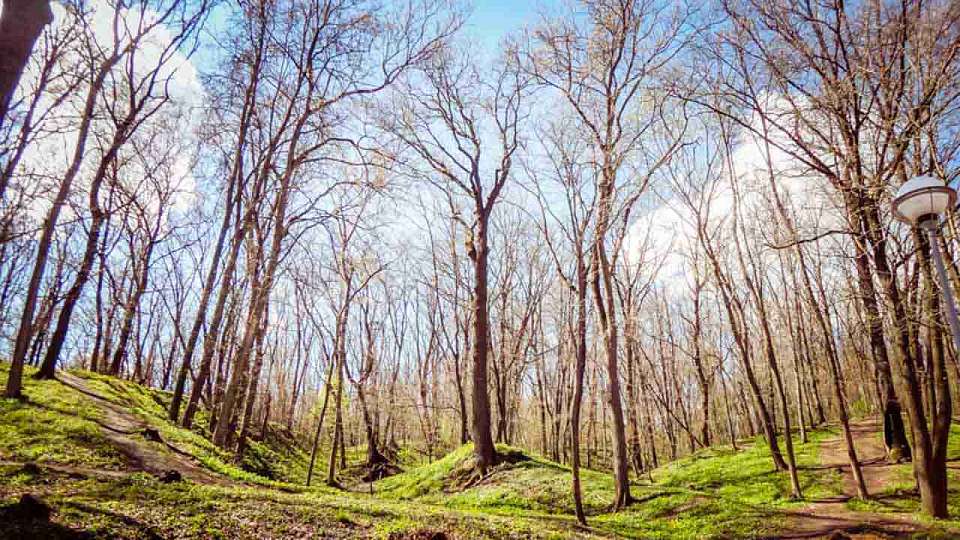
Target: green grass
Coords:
[[58, 424], [722, 492], [264, 463], [139, 506], [748, 475], [715, 492], [533, 484], [53, 426]]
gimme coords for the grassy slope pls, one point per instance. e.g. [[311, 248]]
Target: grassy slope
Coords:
[[55, 426], [715, 492], [280, 461], [60, 426]]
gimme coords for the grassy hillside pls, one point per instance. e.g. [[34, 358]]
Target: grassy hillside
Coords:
[[57, 445], [62, 446], [56, 426], [62, 424], [713, 492]]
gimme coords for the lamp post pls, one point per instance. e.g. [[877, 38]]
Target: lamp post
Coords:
[[920, 202]]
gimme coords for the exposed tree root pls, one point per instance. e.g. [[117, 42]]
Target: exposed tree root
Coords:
[[380, 470], [470, 474]]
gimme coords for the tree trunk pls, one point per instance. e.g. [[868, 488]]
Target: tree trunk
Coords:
[[581, 364], [894, 431], [213, 332], [21, 22], [484, 448], [934, 495], [49, 365], [253, 385], [130, 310], [337, 427], [26, 328], [316, 435], [208, 286], [606, 305]]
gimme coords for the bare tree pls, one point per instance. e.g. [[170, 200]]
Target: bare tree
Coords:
[[446, 125], [124, 42], [600, 66], [836, 108], [21, 22]]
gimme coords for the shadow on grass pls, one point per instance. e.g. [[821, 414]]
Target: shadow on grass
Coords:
[[20, 521], [19, 529], [145, 530]]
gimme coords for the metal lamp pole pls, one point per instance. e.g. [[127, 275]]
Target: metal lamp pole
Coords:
[[932, 226]]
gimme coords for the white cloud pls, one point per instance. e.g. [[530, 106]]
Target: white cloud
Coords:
[[49, 156], [668, 232]]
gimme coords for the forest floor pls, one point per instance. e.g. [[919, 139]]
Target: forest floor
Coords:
[[845, 514], [91, 452]]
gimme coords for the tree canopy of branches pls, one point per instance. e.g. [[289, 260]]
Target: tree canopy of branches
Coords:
[[635, 229]]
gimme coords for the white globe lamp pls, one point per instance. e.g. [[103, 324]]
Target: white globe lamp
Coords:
[[920, 202]]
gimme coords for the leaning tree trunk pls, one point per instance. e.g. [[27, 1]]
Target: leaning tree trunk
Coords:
[[240, 231], [208, 286], [316, 435], [606, 312], [784, 406], [130, 311], [259, 294], [216, 320], [253, 387], [49, 365], [25, 330], [97, 218], [736, 317], [21, 22]]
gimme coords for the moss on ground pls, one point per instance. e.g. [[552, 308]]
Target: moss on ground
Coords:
[[139, 506], [263, 463]]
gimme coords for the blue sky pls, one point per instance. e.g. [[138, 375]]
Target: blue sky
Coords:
[[491, 20], [488, 22]]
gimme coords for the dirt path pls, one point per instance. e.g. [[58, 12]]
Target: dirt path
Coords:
[[144, 449], [830, 518]]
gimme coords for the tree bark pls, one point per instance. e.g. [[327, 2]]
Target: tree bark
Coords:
[[21, 22], [484, 448]]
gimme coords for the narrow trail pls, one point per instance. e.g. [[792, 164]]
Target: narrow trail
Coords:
[[830, 518], [144, 449]]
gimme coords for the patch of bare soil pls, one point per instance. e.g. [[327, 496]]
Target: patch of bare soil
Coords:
[[142, 445], [423, 534], [830, 518]]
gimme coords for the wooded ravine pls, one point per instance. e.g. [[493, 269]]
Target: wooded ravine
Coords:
[[427, 269]]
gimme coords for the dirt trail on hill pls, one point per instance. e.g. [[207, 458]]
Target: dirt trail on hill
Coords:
[[129, 434], [830, 518]]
